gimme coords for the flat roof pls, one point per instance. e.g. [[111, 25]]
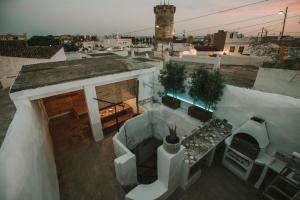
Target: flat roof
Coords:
[[38, 75]]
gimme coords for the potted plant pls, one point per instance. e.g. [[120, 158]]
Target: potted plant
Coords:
[[207, 87], [172, 79], [171, 142]]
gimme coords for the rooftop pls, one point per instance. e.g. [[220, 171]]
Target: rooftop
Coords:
[[20, 49], [38, 75]]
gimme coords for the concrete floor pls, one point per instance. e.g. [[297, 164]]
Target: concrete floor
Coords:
[[7, 112], [86, 170], [217, 183]]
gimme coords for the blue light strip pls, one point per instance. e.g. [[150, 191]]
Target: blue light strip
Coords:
[[188, 99]]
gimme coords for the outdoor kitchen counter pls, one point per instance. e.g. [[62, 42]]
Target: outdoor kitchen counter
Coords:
[[200, 148], [205, 139]]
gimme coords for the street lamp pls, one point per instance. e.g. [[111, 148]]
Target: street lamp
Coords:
[[281, 50], [283, 26]]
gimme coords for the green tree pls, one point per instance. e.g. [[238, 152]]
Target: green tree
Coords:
[[43, 41], [207, 87], [173, 78]]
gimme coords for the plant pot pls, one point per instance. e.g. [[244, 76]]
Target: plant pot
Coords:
[[199, 113], [170, 147], [171, 102]]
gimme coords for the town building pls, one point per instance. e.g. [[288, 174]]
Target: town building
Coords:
[[231, 43], [111, 44], [13, 37]]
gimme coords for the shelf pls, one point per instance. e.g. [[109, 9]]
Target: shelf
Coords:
[[236, 165], [281, 192], [106, 113], [275, 194], [113, 122]]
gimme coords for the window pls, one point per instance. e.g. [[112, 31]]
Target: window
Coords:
[[232, 48], [241, 49], [231, 35]]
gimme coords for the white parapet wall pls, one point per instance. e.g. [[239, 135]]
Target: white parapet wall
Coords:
[[153, 123], [27, 166], [198, 59], [132, 133], [222, 60], [282, 114], [169, 168]]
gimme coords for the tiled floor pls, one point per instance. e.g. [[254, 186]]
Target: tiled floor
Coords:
[[86, 169]]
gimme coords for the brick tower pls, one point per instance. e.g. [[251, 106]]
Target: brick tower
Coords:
[[164, 20]]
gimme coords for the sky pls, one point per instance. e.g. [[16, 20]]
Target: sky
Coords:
[[104, 17]]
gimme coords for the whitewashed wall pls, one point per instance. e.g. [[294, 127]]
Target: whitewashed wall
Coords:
[[280, 81], [282, 114], [225, 60], [142, 49], [11, 66], [146, 84], [196, 59], [207, 53], [27, 167]]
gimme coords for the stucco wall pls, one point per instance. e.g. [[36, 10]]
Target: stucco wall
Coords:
[[225, 60], [280, 81], [282, 114], [196, 59], [10, 66], [27, 167]]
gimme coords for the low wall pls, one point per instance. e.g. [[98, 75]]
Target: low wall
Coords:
[[207, 53], [280, 81], [125, 163], [196, 59], [142, 49], [27, 167], [282, 114], [224, 60]]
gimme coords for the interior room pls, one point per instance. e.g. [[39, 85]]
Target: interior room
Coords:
[[117, 103], [68, 120]]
